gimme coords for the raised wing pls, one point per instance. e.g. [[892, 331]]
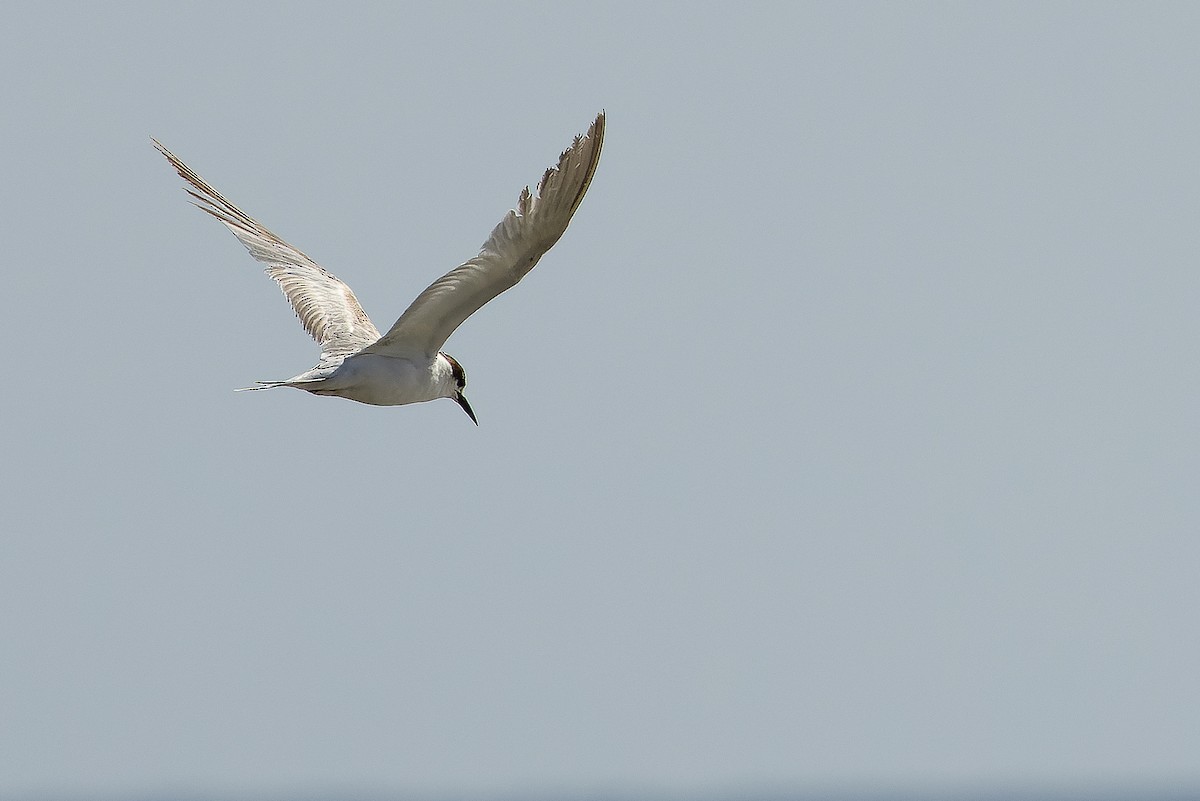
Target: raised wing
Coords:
[[510, 252], [326, 307]]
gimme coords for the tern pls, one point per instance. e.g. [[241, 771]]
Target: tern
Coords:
[[406, 365]]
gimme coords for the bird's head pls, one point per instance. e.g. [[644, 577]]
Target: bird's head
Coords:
[[458, 383]]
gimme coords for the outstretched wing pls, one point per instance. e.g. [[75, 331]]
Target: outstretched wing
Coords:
[[326, 307], [512, 250]]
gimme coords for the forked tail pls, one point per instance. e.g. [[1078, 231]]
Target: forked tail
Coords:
[[263, 385]]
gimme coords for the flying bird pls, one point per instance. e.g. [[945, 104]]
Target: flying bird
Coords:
[[406, 365]]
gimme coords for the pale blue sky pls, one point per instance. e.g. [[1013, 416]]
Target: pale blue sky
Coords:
[[848, 437]]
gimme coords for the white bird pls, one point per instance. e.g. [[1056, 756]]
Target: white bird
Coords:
[[406, 365]]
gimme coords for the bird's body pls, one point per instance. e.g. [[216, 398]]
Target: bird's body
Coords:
[[406, 365], [379, 380]]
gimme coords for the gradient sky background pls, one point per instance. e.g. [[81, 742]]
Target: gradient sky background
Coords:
[[848, 438]]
